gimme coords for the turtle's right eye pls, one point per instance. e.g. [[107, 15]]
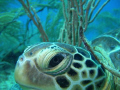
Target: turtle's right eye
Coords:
[[55, 60]]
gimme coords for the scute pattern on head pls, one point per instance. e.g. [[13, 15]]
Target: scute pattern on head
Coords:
[[87, 76], [58, 66]]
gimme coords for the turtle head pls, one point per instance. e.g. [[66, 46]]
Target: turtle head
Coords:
[[58, 66], [39, 64]]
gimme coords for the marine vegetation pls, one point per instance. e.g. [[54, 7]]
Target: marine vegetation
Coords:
[[62, 58]]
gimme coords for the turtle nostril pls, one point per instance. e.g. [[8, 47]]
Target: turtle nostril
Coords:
[[21, 58]]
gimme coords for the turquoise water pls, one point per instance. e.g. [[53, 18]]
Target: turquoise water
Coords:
[[17, 31]]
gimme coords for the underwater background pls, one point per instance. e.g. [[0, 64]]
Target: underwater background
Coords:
[[17, 31]]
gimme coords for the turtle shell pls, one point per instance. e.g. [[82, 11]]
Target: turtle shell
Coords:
[[110, 43]]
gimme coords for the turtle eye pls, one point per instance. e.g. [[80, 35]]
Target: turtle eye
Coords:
[[56, 60]]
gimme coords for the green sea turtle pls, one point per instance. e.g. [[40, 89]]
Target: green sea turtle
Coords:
[[59, 66]]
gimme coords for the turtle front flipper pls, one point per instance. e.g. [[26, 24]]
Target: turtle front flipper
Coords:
[[109, 47]]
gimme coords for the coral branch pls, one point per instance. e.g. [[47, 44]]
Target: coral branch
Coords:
[[110, 69], [88, 47], [98, 10], [73, 27], [87, 12], [35, 21], [93, 8], [78, 13]]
